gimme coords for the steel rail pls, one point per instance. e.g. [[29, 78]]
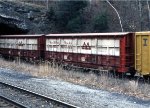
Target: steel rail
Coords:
[[40, 95], [12, 102]]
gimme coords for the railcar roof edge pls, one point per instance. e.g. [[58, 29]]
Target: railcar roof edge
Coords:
[[91, 34], [28, 35]]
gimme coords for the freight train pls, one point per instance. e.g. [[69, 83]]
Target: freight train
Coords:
[[122, 52]]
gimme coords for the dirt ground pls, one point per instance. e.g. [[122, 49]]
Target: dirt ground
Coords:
[[78, 95], [102, 81]]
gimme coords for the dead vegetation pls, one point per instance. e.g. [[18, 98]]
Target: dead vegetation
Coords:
[[35, 4], [104, 81]]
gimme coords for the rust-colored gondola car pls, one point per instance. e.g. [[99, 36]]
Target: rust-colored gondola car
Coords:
[[23, 46], [112, 51]]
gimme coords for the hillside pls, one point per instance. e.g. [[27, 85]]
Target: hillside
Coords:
[[74, 16], [99, 16]]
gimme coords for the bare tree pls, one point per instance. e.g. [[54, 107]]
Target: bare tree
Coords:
[[148, 13], [117, 14], [140, 11], [47, 2]]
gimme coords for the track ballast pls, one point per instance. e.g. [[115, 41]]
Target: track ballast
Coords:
[[28, 98]]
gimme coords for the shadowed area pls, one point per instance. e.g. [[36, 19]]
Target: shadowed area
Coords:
[[9, 29]]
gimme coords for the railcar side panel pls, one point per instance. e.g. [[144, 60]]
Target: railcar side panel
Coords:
[[20, 46], [97, 51], [142, 52]]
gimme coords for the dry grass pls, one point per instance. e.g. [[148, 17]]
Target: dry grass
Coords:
[[35, 4], [103, 81]]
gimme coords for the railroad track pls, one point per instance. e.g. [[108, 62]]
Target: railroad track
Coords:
[[8, 103], [22, 98]]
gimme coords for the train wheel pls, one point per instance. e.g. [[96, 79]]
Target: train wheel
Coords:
[[141, 80], [132, 72], [147, 78], [86, 70], [112, 72]]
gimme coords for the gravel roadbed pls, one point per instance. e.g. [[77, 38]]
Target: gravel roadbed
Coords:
[[74, 94]]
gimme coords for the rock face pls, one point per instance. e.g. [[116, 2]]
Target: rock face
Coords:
[[19, 18]]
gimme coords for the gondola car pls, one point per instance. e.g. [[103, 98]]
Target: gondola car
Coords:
[[120, 52], [30, 47], [142, 53], [111, 51]]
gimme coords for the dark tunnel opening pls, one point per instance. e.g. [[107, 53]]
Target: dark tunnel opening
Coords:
[[11, 29]]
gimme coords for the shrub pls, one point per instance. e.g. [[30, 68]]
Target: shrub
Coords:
[[51, 14], [75, 25], [68, 13], [100, 23]]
